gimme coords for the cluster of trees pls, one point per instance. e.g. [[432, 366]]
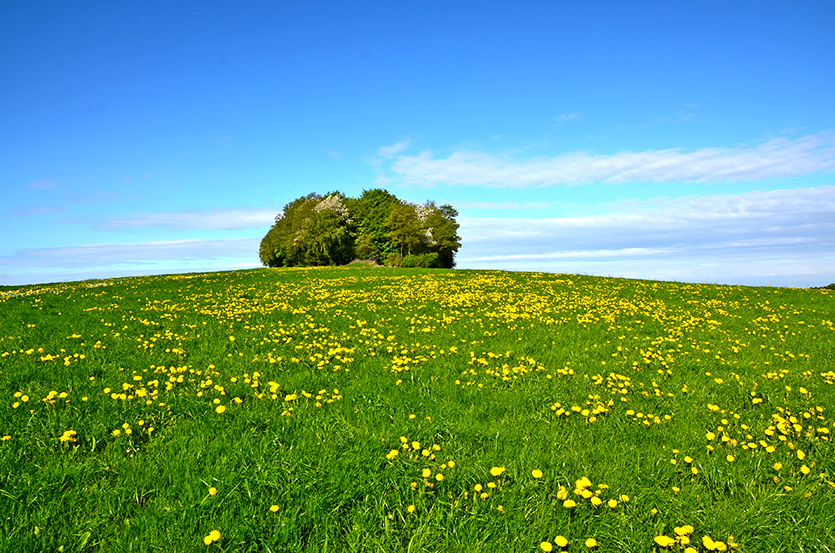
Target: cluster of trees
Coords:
[[335, 229]]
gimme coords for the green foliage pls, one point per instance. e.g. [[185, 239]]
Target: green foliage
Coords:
[[404, 228], [369, 213], [394, 260], [424, 260], [334, 229], [279, 246], [322, 239], [444, 231]]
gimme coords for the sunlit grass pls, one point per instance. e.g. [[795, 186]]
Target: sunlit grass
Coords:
[[369, 409]]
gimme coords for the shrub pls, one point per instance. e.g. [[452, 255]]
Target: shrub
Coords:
[[393, 260], [425, 260]]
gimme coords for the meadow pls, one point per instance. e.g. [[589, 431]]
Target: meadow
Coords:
[[372, 409]]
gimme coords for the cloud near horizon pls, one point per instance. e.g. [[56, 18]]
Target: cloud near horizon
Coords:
[[775, 158], [201, 219], [750, 236], [102, 256]]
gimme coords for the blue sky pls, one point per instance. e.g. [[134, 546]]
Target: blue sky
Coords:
[[689, 141]]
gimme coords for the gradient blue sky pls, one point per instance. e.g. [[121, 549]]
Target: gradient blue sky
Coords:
[[690, 141]]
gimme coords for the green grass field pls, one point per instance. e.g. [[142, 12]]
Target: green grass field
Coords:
[[363, 409]]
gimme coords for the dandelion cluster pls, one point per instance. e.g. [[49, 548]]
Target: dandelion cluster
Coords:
[[404, 407]]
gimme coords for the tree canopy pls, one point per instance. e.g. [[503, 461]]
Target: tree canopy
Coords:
[[335, 229]]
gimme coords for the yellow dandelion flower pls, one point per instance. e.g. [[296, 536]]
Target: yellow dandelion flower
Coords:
[[730, 458], [596, 501], [497, 471], [664, 541], [569, 503], [612, 503], [213, 536], [536, 473], [220, 409], [274, 508], [561, 541], [546, 546], [439, 477], [212, 491], [410, 509], [478, 487], [426, 473], [591, 542]]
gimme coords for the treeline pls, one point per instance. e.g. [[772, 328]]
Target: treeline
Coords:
[[336, 229]]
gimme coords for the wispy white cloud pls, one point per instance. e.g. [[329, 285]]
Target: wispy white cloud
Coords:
[[775, 158], [752, 238], [391, 151], [202, 219], [37, 210], [45, 184], [504, 206], [567, 117], [135, 254], [100, 196]]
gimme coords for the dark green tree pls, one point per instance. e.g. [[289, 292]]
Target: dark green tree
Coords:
[[323, 239], [405, 230], [369, 213], [444, 230], [277, 247]]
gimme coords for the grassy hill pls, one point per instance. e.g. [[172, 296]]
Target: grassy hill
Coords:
[[368, 409]]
